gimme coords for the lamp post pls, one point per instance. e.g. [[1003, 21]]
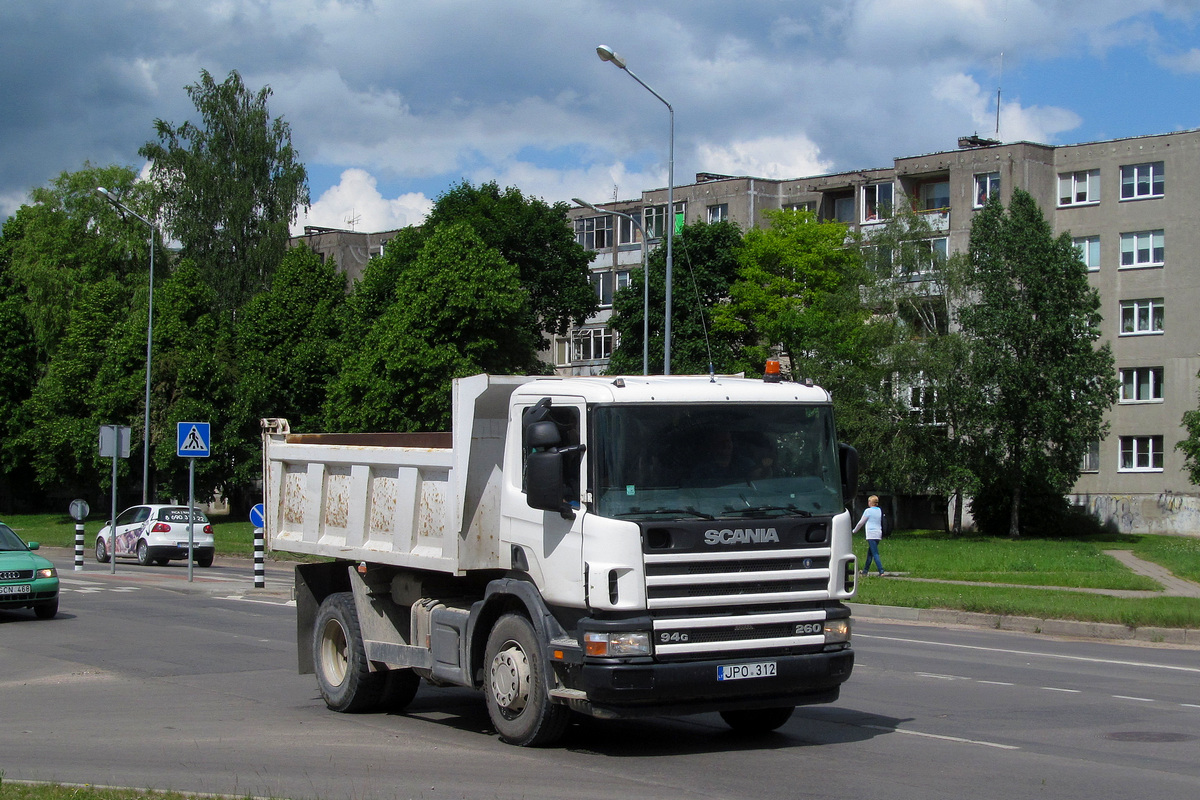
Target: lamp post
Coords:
[[645, 280], [124, 209], [606, 53]]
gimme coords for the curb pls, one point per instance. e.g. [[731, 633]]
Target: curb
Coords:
[[1187, 637]]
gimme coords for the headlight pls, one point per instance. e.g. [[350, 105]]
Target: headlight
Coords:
[[50, 572], [837, 630], [616, 644]]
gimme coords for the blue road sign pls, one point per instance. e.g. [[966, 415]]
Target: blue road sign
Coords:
[[192, 440], [258, 515]]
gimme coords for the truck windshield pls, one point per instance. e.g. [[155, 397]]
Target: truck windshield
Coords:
[[714, 461]]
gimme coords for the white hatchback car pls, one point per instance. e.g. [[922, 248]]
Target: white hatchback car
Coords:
[[156, 534]]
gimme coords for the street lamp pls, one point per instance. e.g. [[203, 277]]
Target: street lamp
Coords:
[[645, 280], [124, 209], [606, 53]]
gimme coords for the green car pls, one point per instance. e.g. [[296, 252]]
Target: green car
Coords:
[[26, 580]]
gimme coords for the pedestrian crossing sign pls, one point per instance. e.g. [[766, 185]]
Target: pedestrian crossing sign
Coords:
[[192, 439]]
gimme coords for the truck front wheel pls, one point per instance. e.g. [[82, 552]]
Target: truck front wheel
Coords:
[[343, 674], [515, 686]]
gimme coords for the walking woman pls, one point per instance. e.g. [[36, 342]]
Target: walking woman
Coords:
[[872, 518]]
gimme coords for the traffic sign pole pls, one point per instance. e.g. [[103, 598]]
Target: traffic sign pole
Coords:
[[192, 441]]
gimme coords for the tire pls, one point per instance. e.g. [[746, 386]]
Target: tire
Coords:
[[101, 550], [757, 720], [143, 553], [343, 674], [204, 560], [399, 688], [515, 686], [46, 609]]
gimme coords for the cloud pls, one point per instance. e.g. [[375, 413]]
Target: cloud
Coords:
[[355, 203], [1186, 63], [766, 157]]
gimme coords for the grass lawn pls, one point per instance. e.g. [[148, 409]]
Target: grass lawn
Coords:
[[233, 537], [1039, 569], [17, 791]]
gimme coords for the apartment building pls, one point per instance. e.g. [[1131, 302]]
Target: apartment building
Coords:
[[1131, 207]]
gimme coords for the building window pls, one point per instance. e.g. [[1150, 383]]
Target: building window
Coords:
[[627, 232], [929, 255], [594, 233], [718, 213], [1142, 249], [1091, 459], [562, 352], [1079, 188], [592, 344], [935, 196], [843, 209], [877, 202], [1139, 181], [1141, 316], [656, 220], [1142, 385], [922, 404], [602, 283], [622, 280], [1089, 251], [986, 185], [1141, 454], [808, 205]]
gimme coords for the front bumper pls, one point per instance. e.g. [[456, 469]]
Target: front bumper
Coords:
[[41, 590], [692, 687]]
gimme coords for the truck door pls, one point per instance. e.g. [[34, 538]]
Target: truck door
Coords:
[[548, 544]]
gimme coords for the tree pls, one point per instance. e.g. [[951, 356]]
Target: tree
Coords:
[[285, 338], [918, 437], [1190, 446], [1042, 385], [70, 237], [230, 187], [461, 310], [535, 238], [193, 381], [705, 266]]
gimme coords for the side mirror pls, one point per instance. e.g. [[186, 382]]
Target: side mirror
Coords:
[[848, 461], [544, 480]]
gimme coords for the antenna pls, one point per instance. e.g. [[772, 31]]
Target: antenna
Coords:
[[353, 219], [999, 85]]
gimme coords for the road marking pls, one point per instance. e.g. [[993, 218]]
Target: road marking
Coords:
[[997, 683], [1056, 689], [958, 739], [1138, 699], [94, 589], [942, 677], [1087, 659], [244, 599]]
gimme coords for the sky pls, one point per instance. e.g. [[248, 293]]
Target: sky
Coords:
[[393, 102]]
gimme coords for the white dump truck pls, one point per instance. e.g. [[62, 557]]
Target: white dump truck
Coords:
[[616, 547]]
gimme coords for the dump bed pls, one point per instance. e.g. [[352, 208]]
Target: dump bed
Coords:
[[422, 500]]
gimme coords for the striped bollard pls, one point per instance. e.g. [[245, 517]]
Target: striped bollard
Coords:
[[78, 546], [260, 576]]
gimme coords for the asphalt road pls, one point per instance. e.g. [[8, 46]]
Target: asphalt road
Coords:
[[147, 680]]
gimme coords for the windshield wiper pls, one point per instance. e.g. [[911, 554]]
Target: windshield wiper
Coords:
[[660, 511], [751, 511]]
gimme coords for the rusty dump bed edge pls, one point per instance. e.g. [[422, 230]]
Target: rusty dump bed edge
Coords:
[[429, 440]]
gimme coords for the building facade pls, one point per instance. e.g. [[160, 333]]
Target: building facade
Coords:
[[1129, 204]]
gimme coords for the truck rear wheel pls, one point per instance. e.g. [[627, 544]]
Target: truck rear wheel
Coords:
[[343, 674], [515, 686], [757, 720]]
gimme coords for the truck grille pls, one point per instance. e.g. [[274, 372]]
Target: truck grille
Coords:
[[750, 601]]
